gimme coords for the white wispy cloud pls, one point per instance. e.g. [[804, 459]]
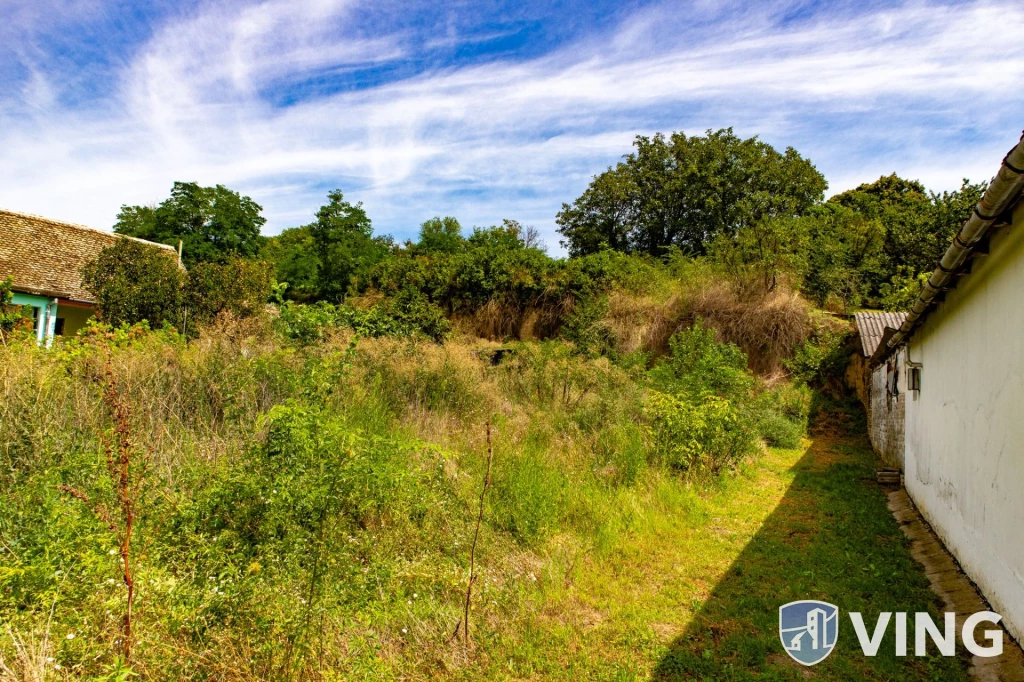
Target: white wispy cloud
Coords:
[[929, 91]]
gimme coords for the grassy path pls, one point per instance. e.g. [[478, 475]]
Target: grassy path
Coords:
[[689, 587]]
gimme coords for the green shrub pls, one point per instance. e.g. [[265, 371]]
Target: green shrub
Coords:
[[698, 364], [238, 286], [307, 323], [822, 359], [133, 281], [702, 435], [407, 314], [779, 431]]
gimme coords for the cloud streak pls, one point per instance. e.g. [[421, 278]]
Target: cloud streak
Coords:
[[926, 90]]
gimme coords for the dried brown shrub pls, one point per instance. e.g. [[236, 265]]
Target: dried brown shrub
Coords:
[[500, 319], [766, 325], [641, 322]]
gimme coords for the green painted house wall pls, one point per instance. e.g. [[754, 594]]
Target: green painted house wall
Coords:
[[44, 313], [47, 312]]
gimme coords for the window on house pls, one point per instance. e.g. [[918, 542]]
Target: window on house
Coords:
[[58, 328]]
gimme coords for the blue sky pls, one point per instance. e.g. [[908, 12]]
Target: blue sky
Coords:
[[481, 110]]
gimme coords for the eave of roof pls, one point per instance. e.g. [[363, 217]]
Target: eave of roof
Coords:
[[45, 256], [871, 327], [999, 199]]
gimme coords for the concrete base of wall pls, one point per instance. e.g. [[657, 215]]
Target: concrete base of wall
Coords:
[[957, 592]]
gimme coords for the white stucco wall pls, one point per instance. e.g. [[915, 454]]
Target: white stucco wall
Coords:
[[964, 455]]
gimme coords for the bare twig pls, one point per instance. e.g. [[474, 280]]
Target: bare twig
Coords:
[[476, 537]]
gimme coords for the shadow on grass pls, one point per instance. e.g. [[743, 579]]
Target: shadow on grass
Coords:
[[831, 538]]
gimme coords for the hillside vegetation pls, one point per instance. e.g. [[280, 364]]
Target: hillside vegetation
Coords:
[[204, 486]]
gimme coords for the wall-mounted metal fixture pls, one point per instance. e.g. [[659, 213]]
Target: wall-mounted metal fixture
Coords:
[[913, 377]]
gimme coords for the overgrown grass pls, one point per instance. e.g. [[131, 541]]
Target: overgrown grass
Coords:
[[308, 506]]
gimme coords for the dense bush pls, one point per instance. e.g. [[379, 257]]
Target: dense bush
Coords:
[[240, 287], [702, 435], [822, 359], [782, 413], [405, 315], [698, 364], [133, 281], [12, 316], [708, 409]]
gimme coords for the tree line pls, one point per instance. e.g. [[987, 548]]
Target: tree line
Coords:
[[758, 213]]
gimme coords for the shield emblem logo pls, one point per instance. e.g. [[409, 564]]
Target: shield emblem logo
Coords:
[[808, 630]]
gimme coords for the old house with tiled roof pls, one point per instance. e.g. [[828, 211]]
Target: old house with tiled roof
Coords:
[[960, 354], [45, 258]]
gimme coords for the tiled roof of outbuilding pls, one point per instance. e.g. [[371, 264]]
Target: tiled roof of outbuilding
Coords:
[[45, 257], [871, 327]]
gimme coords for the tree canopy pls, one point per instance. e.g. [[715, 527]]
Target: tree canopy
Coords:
[[441, 235], [296, 263], [133, 281], [918, 224], [345, 246], [684, 191], [213, 223]]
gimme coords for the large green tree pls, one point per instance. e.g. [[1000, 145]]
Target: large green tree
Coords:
[[295, 261], [346, 248], [918, 225], [443, 235], [214, 224], [684, 191]]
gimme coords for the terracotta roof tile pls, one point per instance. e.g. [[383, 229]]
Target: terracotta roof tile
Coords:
[[871, 327], [46, 256]]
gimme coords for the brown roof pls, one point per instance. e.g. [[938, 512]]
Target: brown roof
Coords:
[[871, 327], [45, 257]]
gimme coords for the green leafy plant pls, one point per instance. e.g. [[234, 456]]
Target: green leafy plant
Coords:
[[133, 281], [701, 436], [238, 286], [822, 359], [11, 316]]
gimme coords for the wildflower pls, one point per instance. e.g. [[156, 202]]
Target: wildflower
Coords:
[[404, 630], [71, 635]]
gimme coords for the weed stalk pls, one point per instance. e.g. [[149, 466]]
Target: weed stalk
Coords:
[[476, 537], [126, 486]]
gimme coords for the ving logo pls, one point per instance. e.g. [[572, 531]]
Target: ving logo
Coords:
[[808, 630]]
